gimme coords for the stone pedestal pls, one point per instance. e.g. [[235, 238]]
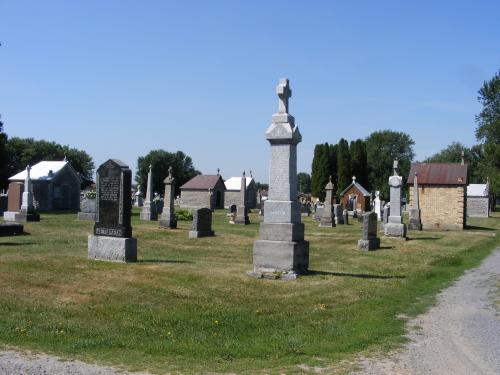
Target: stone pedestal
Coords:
[[167, 217], [113, 249], [86, 216], [414, 222], [11, 229], [369, 245], [21, 217], [395, 230], [242, 216]]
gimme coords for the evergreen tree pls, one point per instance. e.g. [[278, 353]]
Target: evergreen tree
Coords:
[[344, 175], [320, 170], [333, 164], [3, 158], [359, 163], [304, 183]]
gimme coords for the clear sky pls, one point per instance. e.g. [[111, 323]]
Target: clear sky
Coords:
[[120, 78]]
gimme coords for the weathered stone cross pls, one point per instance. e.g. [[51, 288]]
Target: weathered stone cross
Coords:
[[284, 93]]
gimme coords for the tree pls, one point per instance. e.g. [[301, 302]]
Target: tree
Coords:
[[333, 163], [24, 151], [161, 160], [488, 132], [453, 154], [344, 175], [382, 148], [3, 158], [304, 183], [261, 186], [359, 163], [320, 170]]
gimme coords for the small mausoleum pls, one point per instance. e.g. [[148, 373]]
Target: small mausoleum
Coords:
[[56, 185], [203, 191], [356, 197], [478, 200], [441, 194], [233, 192]]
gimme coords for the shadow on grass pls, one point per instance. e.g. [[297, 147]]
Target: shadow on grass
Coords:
[[355, 275], [475, 227], [18, 243], [163, 261], [62, 212], [423, 238]]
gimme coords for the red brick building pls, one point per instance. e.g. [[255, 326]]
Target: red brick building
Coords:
[[357, 195]]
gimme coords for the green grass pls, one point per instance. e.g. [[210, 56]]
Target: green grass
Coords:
[[187, 306]]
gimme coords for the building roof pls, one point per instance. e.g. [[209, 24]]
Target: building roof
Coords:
[[439, 173], [478, 190], [234, 183], [358, 186], [203, 182], [43, 171]]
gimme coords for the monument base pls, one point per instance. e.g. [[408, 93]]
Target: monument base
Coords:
[[395, 230], [21, 217], [11, 229], [280, 258], [113, 249], [415, 223], [167, 223], [369, 245], [241, 220], [148, 215], [86, 216], [201, 233], [327, 222]]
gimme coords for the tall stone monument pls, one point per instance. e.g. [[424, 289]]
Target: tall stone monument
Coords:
[[377, 205], [395, 226], [281, 249], [148, 211], [28, 211], [112, 239], [167, 218], [415, 221], [242, 209], [328, 218]]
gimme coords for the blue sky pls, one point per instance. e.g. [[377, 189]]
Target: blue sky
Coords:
[[120, 78]]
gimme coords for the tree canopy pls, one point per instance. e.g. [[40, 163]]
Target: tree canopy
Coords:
[[359, 163], [320, 170], [344, 172], [382, 148], [3, 157], [161, 160], [488, 131], [304, 183], [23, 151]]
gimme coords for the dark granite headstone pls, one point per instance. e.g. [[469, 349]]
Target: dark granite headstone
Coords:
[[202, 223], [113, 203], [11, 229], [369, 240], [113, 239], [15, 196]]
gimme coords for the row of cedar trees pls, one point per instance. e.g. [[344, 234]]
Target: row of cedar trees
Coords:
[[341, 161]]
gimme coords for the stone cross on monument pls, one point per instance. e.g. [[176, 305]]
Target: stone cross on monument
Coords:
[[28, 211], [284, 93], [395, 226], [242, 209], [281, 250], [328, 217], [148, 211]]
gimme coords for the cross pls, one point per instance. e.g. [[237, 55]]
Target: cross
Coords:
[[284, 93], [150, 166], [218, 171], [353, 179], [243, 173], [251, 173], [170, 171], [395, 167]]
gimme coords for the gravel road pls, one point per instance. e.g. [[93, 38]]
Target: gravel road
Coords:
[[460, 335]]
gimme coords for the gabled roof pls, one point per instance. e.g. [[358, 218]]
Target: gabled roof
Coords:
[[43, 171], [234, 183], [358, 186], [478, 190], [439, 173], [203, 182]]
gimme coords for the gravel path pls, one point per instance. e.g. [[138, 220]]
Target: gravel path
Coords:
[[15, 363], [460, 335]]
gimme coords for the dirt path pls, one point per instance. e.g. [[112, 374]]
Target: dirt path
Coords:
[[460, 335]]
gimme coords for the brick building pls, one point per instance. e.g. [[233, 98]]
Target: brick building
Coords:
[[203, 191], [233, 192], [442, 192], [478, 200], [356, 195]]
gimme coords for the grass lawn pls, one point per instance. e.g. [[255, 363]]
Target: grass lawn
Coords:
[[187, 306]]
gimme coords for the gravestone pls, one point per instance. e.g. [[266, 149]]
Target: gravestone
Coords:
[[11, 229], [202, 223], [27, 211], [318, 212], [304, 210], [148, 211], [369, 241], [232, 209], [87, 209], [415, 223], [281, 250], [14, 200], [395, 227], [385, 214], [328, 218], [167, 218], [345, 215], [377, 205], [3, 203], [242, 209], [338, 213], [139, 202], [112, 239]]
